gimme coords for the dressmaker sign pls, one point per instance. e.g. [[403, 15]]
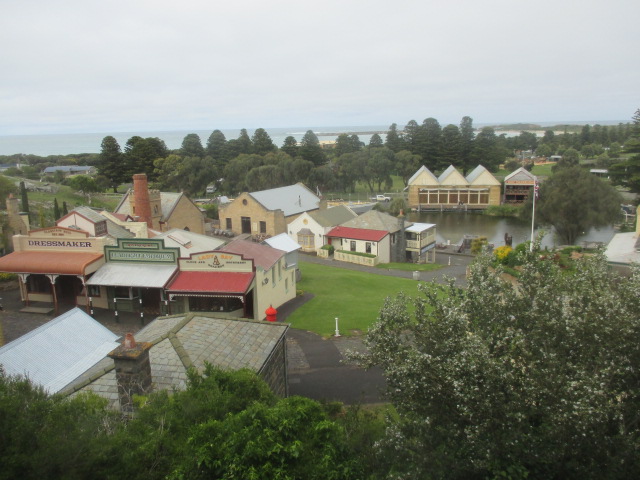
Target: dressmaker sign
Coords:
[[58, 239]]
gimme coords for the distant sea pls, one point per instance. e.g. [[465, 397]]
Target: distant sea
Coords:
[[73, 143]]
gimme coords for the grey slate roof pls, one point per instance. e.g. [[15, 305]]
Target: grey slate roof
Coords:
[[168, 201], [57, 352], [331, 217], [183, 341], [291, 200], [376, 220]]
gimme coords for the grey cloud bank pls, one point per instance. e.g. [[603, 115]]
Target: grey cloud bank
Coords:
[[87, 66]]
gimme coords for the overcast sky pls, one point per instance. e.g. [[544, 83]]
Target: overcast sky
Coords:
[[101, 66]]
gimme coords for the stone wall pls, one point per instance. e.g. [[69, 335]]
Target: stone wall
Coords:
[[274, 371]]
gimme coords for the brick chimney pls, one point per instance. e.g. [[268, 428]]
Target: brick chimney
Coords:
[[141, 201], [133, 370]]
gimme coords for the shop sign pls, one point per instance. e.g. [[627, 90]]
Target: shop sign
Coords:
[[218, 261]]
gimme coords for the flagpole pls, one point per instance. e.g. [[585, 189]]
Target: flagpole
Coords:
[[533, 214]]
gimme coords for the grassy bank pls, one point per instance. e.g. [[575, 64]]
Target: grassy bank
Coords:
[[354, 297]]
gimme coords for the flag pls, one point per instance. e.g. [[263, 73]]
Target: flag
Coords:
[[536, 190]]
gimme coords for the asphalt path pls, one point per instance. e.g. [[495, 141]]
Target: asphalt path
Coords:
[[318, 368]]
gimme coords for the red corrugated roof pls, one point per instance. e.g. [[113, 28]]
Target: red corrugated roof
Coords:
[[61, 263], [358, 234], [214, 282]]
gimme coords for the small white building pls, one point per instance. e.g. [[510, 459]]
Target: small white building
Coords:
[[309, 230]]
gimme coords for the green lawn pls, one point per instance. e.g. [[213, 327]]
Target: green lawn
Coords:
[[354, 297], [410, 267]]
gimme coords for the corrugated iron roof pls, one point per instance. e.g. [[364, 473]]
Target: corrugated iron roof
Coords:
[[358, 234], [291, 199], [58, 351], [62, 263], [283, 242], [214, 282], [133, 275]]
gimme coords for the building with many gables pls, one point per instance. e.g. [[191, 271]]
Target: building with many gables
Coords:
[[451, 190]]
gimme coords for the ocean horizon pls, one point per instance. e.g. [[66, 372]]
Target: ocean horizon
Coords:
[[77, 143]]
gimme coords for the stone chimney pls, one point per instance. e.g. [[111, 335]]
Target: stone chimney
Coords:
[[141, 202], [133, 371], [400, 250], [18, 221]]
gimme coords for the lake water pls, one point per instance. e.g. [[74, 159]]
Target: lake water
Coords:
[[452, 226], [64, 144]]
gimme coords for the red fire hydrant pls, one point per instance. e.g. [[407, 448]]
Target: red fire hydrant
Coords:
[[271, 314]]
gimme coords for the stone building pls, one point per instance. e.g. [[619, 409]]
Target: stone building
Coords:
[[161, 211], [267, 213]]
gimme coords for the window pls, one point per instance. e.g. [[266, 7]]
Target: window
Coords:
[[94, 290], [273, 277], [228, 224], [279, 271], [367, 247], [263, 227], [353, 246]]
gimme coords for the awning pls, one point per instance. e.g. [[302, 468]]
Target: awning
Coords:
[[133, 275], [211, 282], [60, 263]]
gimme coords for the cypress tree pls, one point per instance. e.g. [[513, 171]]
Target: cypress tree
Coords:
[[56, 209]]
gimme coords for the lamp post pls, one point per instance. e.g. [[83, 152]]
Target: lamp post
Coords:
[[337, 330]]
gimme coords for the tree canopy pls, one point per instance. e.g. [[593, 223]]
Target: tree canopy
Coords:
[[539, 380], [573, 201]]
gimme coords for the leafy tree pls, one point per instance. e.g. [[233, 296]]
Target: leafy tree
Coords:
[[244, 142], [235, 172], [375, 141], [24, 197], [467, 137], [430, 144], [217, 147], [573, 201], [65, 209], [192, 146], [292, 439], [544, 150], [411, 136], [322, 178], [290, 146], [140, 153], [570, 158], [406, 164], [110, 162], [486, 150], [262, 143], [492, 381], [56, 209], [264, 177], [349, 169], [6, 187], [627, 173], [311, 150], [451, 151], [83, 184], [394, 141], [189, 174]]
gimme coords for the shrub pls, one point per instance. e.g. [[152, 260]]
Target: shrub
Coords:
[[7, 277], [330, 248], [502, 253]]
